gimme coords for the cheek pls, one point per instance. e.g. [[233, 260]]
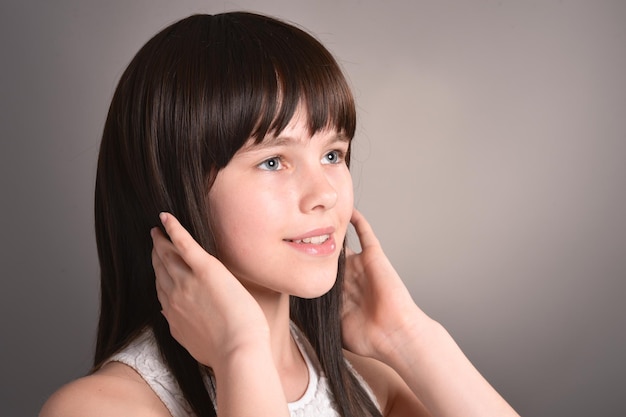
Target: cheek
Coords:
[[241, 221], [231, 236], [346, 195]]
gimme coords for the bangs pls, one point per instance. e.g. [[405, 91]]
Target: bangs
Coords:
[[260, 71], [294, 70], [209, 83]]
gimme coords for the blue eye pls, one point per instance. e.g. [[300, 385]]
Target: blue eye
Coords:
[[333, 157], [271, 164]]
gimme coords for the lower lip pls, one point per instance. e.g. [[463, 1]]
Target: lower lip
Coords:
[[322, 249]]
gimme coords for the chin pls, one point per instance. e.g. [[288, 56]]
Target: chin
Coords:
[[320, 288]]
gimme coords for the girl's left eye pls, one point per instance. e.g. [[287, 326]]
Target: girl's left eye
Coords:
[[333, 157]]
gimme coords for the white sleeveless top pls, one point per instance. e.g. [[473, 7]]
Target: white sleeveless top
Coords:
[[143, 355]]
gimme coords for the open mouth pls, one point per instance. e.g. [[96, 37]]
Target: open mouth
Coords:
[[314, 240]]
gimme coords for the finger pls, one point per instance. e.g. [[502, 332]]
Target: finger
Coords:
[[162, 277], [187, 247], [162, 297], [163, 281], [168, 256], [160, 243], [363, 229]]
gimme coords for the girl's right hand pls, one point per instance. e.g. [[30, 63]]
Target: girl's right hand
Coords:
[[208, 310]]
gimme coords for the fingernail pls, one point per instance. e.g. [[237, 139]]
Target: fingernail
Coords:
[[163, 217]]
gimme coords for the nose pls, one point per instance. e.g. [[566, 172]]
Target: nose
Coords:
[[317, 190]]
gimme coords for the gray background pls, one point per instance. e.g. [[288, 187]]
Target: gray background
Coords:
[[489, 158]]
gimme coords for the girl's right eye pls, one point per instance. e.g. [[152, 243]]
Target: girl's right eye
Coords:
[[271, 164]]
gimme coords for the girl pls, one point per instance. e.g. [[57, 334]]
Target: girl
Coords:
[[223, 197]]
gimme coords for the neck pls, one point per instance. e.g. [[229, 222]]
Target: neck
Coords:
[[276, 309], [287, 357]]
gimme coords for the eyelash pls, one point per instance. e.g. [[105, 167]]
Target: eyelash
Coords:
[[275, 162]]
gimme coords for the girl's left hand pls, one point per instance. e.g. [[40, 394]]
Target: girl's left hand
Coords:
[[378, 308]]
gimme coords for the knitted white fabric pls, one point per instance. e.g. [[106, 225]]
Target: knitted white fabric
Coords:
[[144, 357]]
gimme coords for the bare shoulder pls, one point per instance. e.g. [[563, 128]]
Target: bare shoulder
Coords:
[[115, 390], [393, 395]]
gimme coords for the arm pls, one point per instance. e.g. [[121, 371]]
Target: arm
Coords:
[[381, 321], [232, 335]]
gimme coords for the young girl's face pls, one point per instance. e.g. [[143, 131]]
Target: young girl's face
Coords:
[[280, 211]]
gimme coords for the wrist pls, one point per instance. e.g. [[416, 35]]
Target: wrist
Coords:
[[240, 357], [248, 383], [408, 339]]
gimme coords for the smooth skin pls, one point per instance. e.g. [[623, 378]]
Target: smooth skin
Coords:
[[233, 313]]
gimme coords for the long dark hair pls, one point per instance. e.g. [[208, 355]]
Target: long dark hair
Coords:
[[190, 98]]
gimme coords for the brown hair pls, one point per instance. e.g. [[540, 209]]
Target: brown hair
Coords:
[[189, 99]]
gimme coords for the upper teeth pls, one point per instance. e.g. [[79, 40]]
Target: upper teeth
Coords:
[[316, 240]]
